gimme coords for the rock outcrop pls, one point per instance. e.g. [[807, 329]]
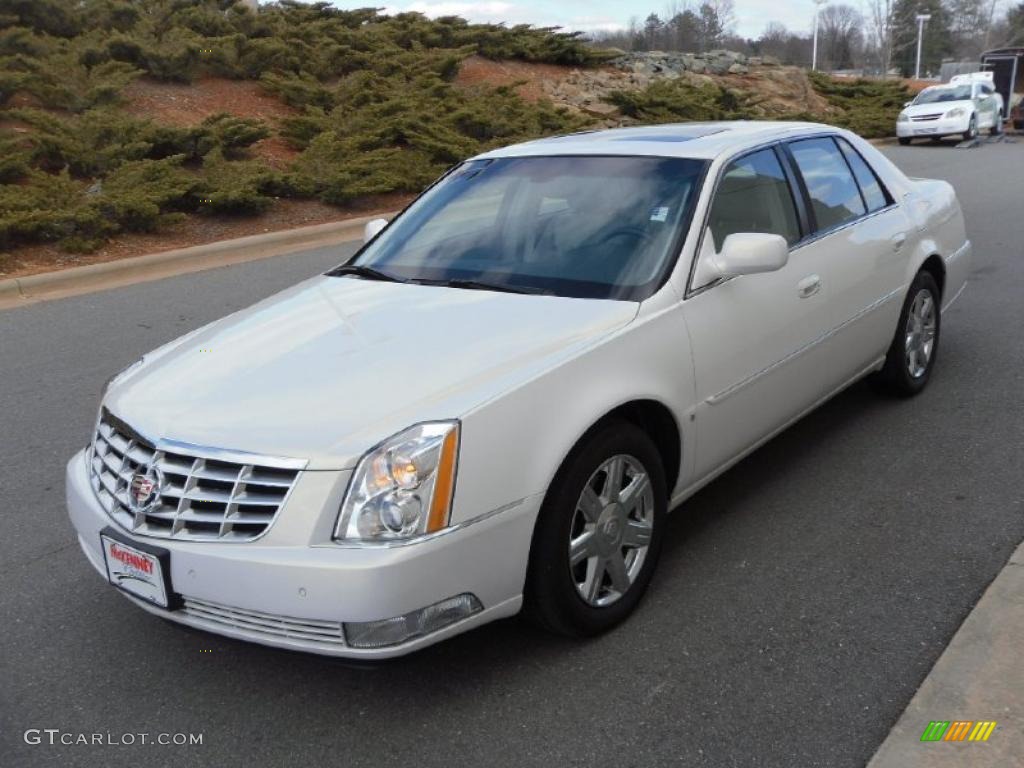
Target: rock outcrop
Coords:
[[717, 62]]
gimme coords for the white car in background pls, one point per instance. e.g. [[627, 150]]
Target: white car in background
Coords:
[[496, 402], [965, 106]]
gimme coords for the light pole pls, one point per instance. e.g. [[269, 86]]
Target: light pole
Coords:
[[921, 19], [814, 48]]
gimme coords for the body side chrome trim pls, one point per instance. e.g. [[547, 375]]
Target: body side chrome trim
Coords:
[[734, 388], [691, 489], [958, 252]]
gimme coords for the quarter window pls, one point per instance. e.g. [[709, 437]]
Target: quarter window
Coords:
[[754, 196], [870, 187], [835, 198]]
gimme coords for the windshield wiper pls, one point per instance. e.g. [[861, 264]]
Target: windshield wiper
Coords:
[[368, 273], [480, 285]]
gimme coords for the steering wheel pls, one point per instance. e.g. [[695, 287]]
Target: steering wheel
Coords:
[[626, 230]]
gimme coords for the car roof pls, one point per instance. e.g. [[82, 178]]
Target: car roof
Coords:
[[694, 140]]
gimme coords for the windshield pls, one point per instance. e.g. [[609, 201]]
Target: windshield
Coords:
[[584, 226], [936, 95]]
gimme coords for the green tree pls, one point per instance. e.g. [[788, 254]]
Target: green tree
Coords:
[[1015, 21], [936, 43], [709, 27], [653, 27], [685, 30]]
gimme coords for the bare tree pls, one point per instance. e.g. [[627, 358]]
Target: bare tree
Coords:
[[840, 35], [773, 40], [788, 47], [880, 27], [725, 10]]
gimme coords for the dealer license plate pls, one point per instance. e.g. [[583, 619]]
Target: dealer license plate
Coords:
[[140, 572]]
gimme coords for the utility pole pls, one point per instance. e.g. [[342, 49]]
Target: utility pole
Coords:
[[814, 49], [921, 19]]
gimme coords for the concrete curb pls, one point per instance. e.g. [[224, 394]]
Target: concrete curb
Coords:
[[979, 677], [21, 291]]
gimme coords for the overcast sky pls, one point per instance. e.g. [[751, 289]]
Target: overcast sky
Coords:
[[588, 15]]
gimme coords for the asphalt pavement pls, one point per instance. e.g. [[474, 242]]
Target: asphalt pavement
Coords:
[[800, 601]]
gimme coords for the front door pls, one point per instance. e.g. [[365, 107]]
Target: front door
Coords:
[[754, 338]]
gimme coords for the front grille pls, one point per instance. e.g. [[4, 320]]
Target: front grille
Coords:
[[924, 118], [202, 498], [267, 625]]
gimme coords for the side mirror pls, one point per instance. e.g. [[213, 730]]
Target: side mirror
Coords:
[[747, 253], [907, 103], [373, 229]]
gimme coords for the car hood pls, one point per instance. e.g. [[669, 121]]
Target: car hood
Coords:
[[334, 365], [936, 108]]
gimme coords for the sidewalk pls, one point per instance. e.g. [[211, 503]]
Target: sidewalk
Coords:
[[73, 281], [980, 676]]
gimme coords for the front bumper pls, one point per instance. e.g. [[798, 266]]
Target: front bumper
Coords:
[[283, 595], [928, 128]]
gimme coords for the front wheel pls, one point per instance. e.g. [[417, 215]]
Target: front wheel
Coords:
[[904, 140], [997, 126], [972, 129], [599, 533], [911, 356]]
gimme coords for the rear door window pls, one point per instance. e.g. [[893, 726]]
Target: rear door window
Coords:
[[835, 196], [875, 195]]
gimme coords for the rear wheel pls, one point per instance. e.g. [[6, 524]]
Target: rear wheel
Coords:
[[599, 533], [911, 356]]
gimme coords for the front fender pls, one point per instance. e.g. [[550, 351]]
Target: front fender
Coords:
[[513, 446]]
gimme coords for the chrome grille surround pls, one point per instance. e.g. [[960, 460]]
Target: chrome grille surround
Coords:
[[256, 624], [208, 494], [925, 118]]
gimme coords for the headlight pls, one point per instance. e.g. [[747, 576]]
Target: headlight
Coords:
[[956, 112], [903, 118], [403, 487]]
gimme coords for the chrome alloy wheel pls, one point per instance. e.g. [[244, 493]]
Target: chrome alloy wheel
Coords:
[[920, 333], [611, 530]]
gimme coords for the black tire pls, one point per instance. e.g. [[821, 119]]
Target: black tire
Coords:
[[997, 127], [904, 140], [552, 599], [895, 376], [972, 129]]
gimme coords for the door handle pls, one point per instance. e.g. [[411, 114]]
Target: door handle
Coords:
[[809, 286], [899, 240]]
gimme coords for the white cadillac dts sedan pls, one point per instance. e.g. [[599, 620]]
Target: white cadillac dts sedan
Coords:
[[493, 405]]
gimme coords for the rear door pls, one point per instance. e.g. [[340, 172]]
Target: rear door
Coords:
[[754, 338], [862, 239]]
